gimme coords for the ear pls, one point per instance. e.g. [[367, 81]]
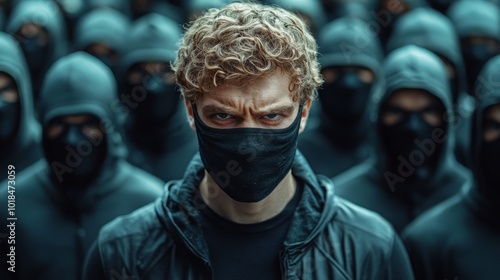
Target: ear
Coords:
[[190, 114], [305, 114]]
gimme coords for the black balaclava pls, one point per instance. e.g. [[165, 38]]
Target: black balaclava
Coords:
[[10, 113], [485, 156], [431, 30], [412, 67], [84, 155], [152, 41], [160, 96], [478, 26], [80, 84], [345, 100], [440, 5], [347, 49]]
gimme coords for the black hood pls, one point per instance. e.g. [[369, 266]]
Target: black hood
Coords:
[[81, 84], [412, 67], [105, 26], [45, 14], [119, 5], [476, 18], [13, 63], [488, 90], [309, 8], [431, 30], [152, 37]]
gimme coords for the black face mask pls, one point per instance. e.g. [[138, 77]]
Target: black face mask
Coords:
[[345, 100], [75, 159], [36, 55], [161, 99], [247, 163], [9, 119], [490, 166], [411, 141], [475, 57]]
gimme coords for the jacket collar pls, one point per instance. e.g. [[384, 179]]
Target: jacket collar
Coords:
[[179, 209]]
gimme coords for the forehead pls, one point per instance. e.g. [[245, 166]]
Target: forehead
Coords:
[[493, 112], [274, 86], [5, 79], [412, 98]]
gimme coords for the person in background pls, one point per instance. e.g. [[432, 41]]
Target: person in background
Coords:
[[478, 28], [351, 57], [83, 181], [39, 28], [432, 30], [103, 34], [158, 138], [249, 206], [460, 238], [414, 167], [20, 133], [310, 11]]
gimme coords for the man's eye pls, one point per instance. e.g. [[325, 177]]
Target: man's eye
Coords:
[[272, 116], [222, 116]]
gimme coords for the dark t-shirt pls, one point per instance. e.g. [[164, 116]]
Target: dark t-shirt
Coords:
[[247, 251], [237, 251]]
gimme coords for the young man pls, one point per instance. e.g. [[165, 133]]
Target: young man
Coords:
[[249, 206]]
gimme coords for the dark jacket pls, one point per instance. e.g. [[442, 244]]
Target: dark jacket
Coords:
[[332, 146], [367, 184], [460, 239], [54, 230], [329, 238], [432, 30], [24, 148], [161, 147]]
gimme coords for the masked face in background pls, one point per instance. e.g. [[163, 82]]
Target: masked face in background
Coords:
[[345, 93], [407, 119], [153, 85], [75, 147], [37, 47], [9, 109], [476, 51], [104, 53], [490, 151]]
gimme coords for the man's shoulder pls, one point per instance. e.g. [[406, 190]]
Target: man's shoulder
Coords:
[[135, 225], [362, 224], [140, 179]]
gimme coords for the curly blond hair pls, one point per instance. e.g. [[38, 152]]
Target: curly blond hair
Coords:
[[244, 41]]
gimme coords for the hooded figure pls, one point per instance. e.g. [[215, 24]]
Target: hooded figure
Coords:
[[40, 29], [478, 27], [431, 30], [103, 34], [311, 12], [415, 167], [19, 130], [352, 74], [83, 182], [158, 136], [119, 5], [460, 238]]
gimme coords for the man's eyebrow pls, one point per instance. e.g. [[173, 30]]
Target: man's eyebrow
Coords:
[[214, 109]]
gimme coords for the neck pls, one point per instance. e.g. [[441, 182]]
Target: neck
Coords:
[[346, 135], [247, 213]]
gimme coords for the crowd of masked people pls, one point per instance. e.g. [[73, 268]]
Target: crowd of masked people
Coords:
[[407, 122]]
